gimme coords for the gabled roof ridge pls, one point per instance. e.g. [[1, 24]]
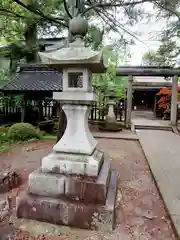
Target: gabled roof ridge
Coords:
[[34, 67]]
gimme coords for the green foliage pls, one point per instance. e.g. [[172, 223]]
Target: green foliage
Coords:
[[17, 100], [102, 83], [3, 135], [94, 37], [3, 138], [15, 19], [24, 20], [164, 56], [22, 132], [169, 48], [4, 128], [4, 76], [4, 148]]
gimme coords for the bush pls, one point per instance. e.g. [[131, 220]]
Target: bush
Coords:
[[3, 134], [3, 137], [4, 129], [22, 132]]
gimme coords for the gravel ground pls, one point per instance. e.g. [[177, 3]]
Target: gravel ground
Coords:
[[140, 210]]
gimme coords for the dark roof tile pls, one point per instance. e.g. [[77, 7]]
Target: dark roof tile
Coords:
[[34, 78]]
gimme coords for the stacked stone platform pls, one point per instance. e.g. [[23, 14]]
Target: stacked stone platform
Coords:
[[81, 201]]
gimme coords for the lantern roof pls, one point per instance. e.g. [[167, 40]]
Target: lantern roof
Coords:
[[76, 54]]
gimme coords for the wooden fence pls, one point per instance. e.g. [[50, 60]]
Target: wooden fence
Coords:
[[98, 113], [50, 110]]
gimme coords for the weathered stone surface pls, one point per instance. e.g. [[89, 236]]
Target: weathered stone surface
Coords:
[[71, 213], [87, 190], [77, 138], [45, 184], [84, 189], [111, 199], [110, 116], [73, 163], [8, 179]]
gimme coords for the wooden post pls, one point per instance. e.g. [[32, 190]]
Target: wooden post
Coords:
[[23, 109], [62, 124], [40, 111], [155, 103], [129, 101], [174, 101], [125, 107]]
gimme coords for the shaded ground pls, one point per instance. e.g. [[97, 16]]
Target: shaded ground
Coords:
[[140, 214], [145, 114]]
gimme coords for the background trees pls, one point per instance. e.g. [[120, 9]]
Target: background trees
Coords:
[[29, 19], [169, 47]]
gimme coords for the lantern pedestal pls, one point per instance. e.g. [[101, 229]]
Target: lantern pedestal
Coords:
[[77, 137], [74, 185], [73, 200]]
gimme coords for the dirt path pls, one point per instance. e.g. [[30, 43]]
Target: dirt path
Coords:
[[140, 214]]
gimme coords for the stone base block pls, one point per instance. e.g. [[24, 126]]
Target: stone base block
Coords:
[[71, 213], [73, 163], [84, 189], [88, 190]]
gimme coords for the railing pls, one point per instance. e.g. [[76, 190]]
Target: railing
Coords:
[[49, 109], [98, 113]]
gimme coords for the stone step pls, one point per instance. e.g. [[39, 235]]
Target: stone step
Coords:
[[84, 189], [64, 211], [149, 127]]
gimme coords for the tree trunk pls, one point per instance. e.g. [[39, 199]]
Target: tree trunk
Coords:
[[13, 64], [23, 109], [62, 124], [31, 43]]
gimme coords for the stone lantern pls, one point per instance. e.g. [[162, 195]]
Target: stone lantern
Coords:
[[110, 124], [111, 102], [74, 184]]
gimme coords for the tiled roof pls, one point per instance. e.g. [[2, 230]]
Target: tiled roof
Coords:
[[152, 81], [33, 77]]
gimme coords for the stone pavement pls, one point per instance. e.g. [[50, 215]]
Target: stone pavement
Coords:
[[162, 150], [146, 120], [150, 122], [125, 134]]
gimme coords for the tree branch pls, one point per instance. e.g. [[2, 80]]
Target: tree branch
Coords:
[[107, 5], [116, 23], [10, 13], [38, 12], [66, 9], [167, 9], [112, 22]]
